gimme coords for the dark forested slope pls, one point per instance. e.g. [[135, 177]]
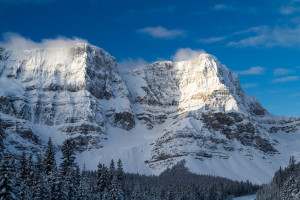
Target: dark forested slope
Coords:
[[284, 186]]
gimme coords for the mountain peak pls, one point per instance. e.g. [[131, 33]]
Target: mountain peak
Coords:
[[164, 112]]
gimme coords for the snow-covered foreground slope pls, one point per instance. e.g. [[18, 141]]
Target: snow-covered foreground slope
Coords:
[[136, 147], [248, 197], [151, 117]]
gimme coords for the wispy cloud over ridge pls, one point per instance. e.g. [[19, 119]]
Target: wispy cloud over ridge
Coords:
[[183, 54], [162, 32], [16, 41], [252, 71], [286, 79], [131, 63], [282, 71], [271, 37], [227, 7], [219, 7], [212, 39]]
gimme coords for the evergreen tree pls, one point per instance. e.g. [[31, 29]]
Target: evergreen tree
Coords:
[[6, 177], [30, 175], [23, 166], [68, 169], [104, 182], [58, 193], [137, 194], [68, 157], [49, 158], [50, 171], [278, 178], [120, 172], [84, 188], [292, 188], [2, 137], [116, 192], [39, 187], [292, 163], [22, 189], [112, 170], [99, 174], [52, 180], [77, 181]]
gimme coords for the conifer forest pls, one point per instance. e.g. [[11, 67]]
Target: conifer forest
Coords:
[[29, 177]]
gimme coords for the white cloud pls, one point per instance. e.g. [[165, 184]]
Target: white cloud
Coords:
[[286, 79], [252, 71], [161, 32], [253, 30], [289, 7], [219, 7], [295, 95], [226, 7], [282, 71], [130, 63], [271, 37], [249, 85], [288, 10], [183, 54], [212, 39], [16, 41]]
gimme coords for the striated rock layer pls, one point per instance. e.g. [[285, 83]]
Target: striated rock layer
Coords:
[[77, 90], [163, 112], [210, 112]]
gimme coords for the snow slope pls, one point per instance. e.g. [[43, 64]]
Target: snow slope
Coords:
[[248, 197], [151, 117]]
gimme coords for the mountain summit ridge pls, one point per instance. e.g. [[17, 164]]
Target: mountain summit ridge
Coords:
[[153, 116]]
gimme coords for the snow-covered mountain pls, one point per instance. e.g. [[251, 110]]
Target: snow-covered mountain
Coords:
[[151, 117]]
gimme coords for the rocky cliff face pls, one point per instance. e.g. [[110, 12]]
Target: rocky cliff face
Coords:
[[209, 109], [190, 109], [77, 90]]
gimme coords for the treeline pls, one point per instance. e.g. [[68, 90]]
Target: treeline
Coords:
[[285, 184], [39, 178], [180, 184]]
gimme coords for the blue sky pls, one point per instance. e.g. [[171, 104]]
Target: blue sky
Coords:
[[258, 39]]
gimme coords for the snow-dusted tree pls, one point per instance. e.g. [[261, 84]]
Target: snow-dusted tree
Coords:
[[112, 170], [68, 157], [40, 191], [292, 163], [30, 175], [99, 172], [69, 185], [84, 187], [58, 192], [77, 180], [68, 169], [23, 166], [115, 192], [2, 137], [137, 194], [120, 172], [170, 195], [6, 178], [103, 182], [49, 158], [51, 181], [21, 174]]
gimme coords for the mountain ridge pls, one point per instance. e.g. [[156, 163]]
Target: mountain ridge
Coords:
[[154, 115]]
